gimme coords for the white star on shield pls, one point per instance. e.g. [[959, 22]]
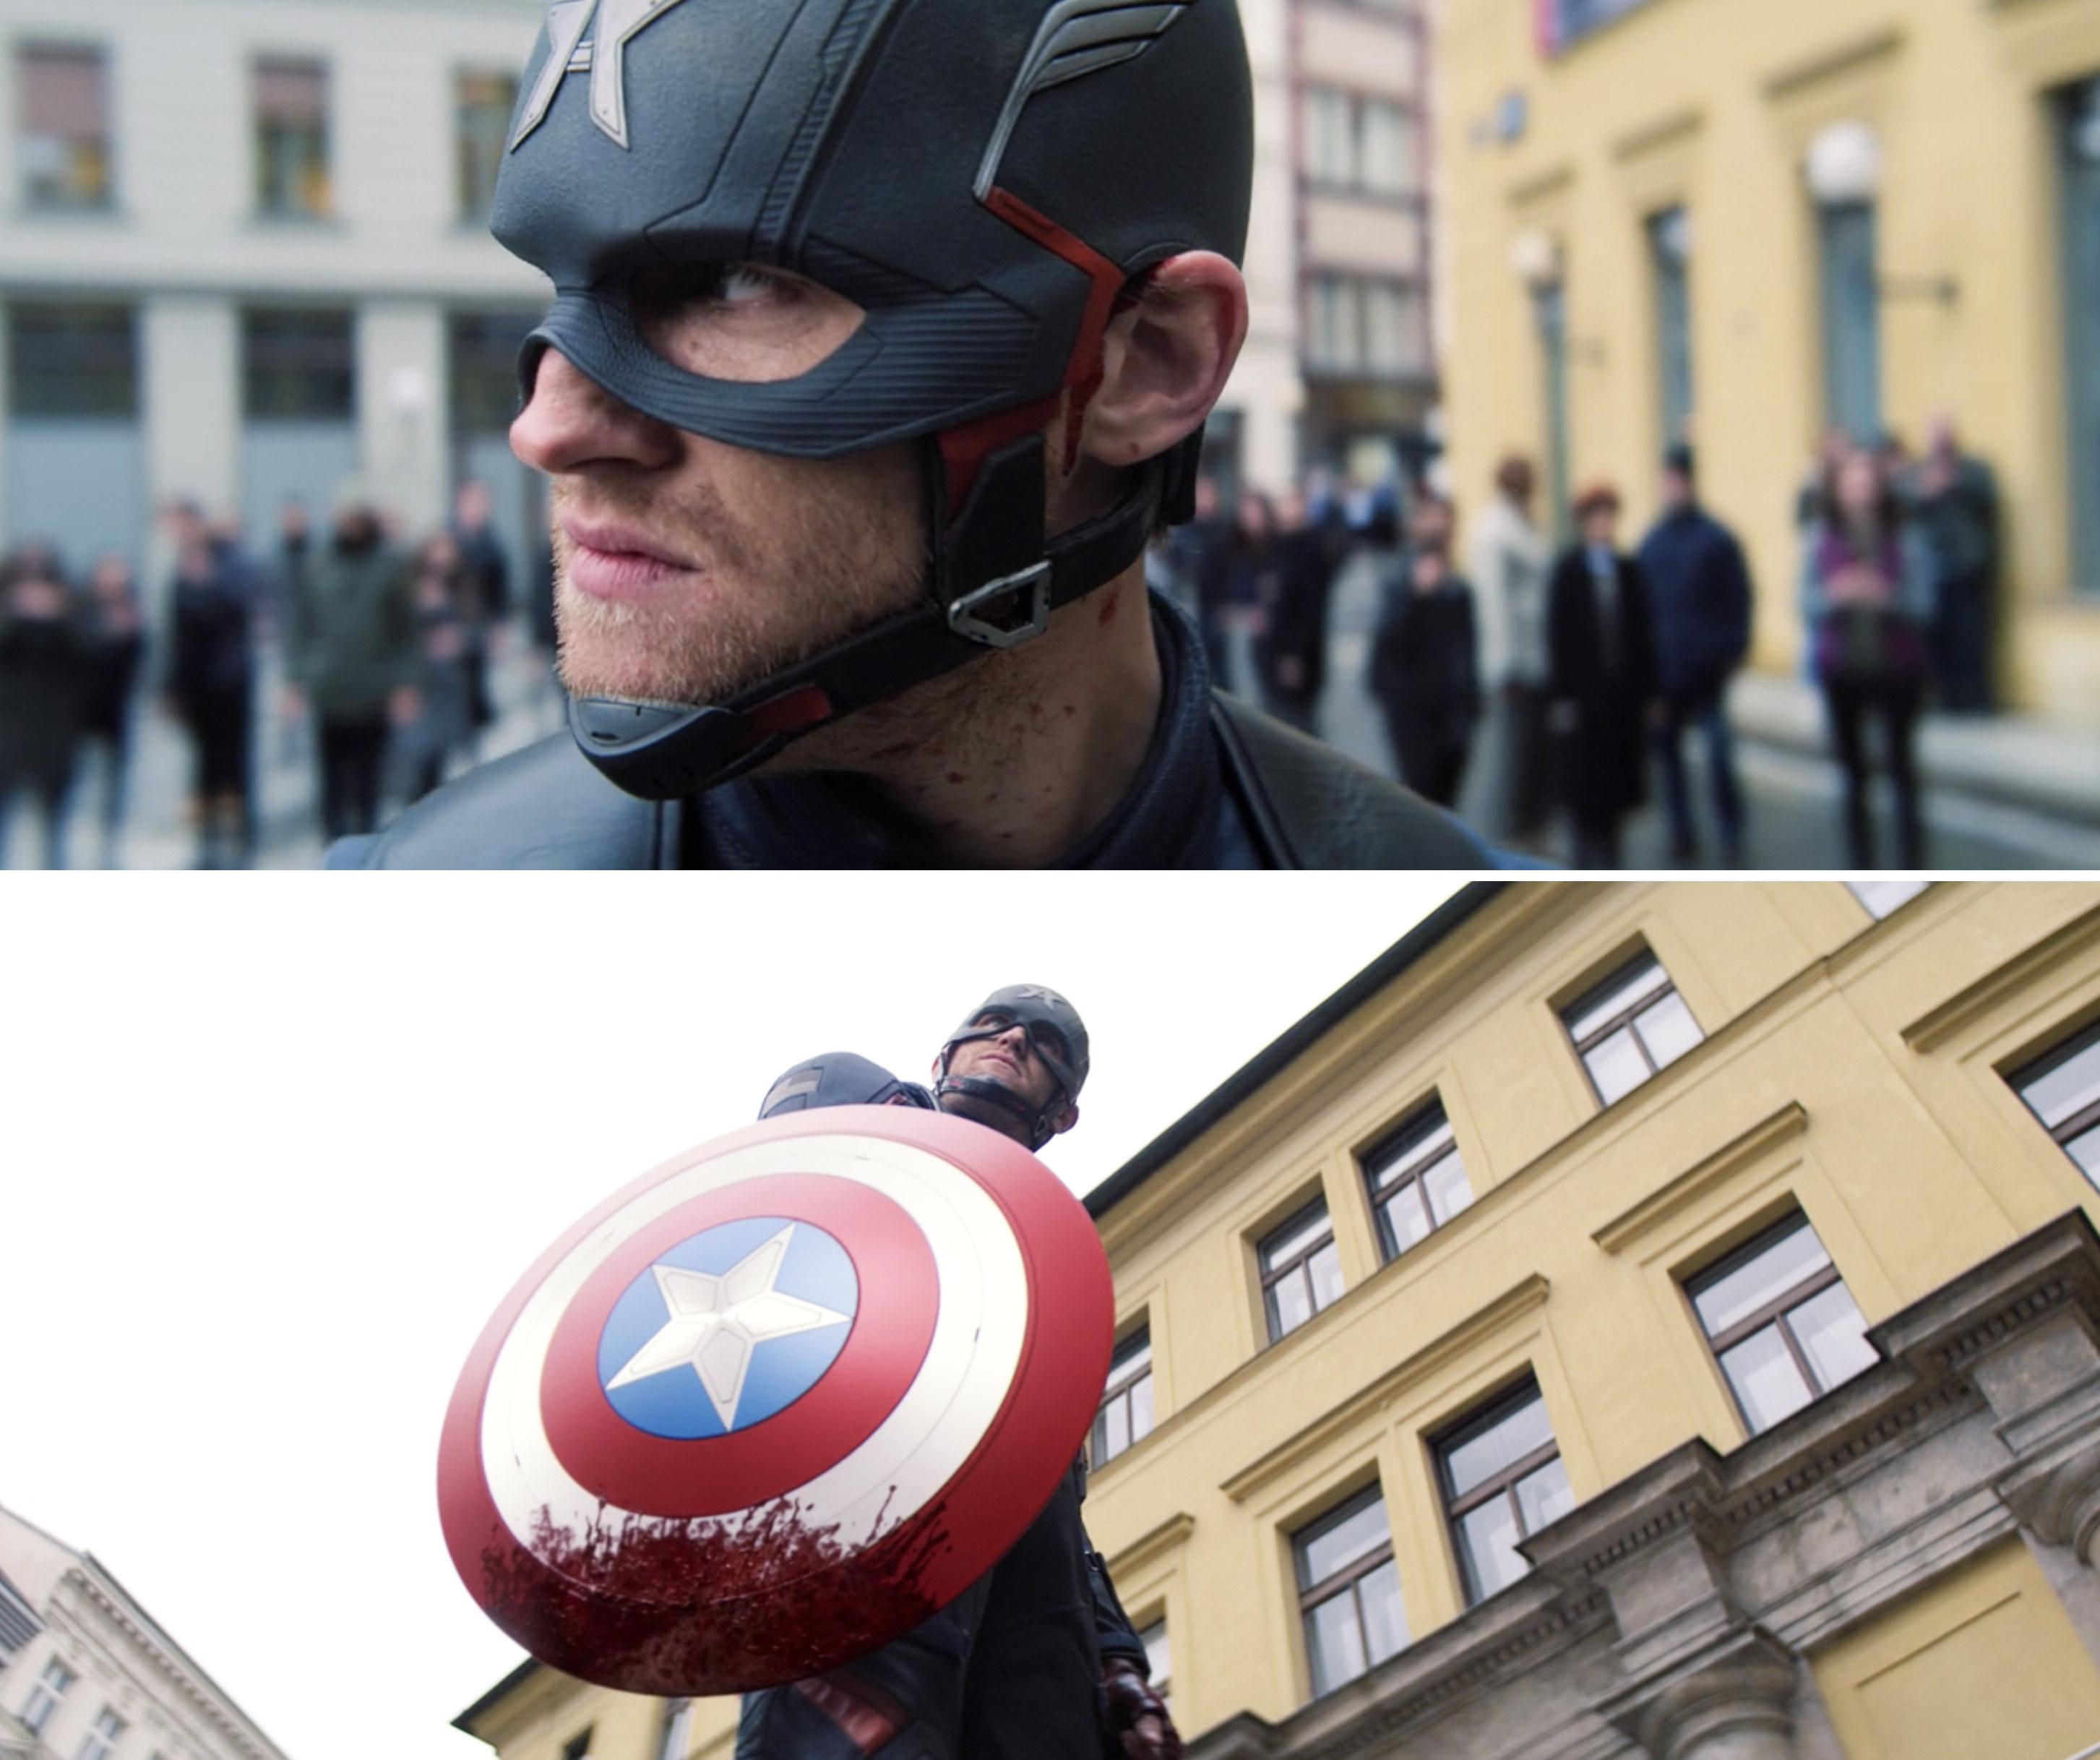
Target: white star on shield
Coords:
[[715, 1324]]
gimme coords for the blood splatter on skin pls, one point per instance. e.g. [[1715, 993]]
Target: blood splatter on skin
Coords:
[[1109, 606], [704, 1605]]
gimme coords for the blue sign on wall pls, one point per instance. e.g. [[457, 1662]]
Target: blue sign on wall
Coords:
[[1564, 22]]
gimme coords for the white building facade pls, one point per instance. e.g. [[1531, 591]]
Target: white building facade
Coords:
[[243, 255], [244, 258], [85, 1674]]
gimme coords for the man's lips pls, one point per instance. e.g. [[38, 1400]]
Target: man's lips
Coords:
[[608, 560]]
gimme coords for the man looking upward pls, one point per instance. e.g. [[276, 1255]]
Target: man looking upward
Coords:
[[1036, 1660]]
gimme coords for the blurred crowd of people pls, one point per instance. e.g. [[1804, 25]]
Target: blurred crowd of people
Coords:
[[1548, 686], [382, 649]]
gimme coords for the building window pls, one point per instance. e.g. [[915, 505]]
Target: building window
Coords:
[[1126, 1413], [1159, 1659], [63, 143], [2078, 159], [1348, 1592], [1357, 144], [1670, 255], [292, 179], [73, 360], [1549, 312], [1301, 1272], [481, 129], [677, 1725], [298, 365], [102, 1736], [1358, 324], [1851, 302], [2063, 1091], [1417, 1181], [1503, 1479], [1881, 897], [44, 1697], [1784, 1327], [1629, 1027]]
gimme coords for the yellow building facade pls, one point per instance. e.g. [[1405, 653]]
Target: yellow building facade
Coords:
[[1738, 224], [1625, 1321]]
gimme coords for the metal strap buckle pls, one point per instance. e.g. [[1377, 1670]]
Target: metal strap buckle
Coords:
[[1035, 582]]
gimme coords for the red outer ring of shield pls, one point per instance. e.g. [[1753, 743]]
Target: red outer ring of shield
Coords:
[[630, 1614], [715, 1475]]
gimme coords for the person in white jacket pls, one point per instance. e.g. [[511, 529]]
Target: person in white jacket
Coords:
[[1508, 797]]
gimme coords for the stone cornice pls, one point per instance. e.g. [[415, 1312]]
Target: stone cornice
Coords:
[[2016, 977], [1511, 1305], [1679, 125], [103, 1594], [1156, 1542], [1829, 63], [1689, 1187]]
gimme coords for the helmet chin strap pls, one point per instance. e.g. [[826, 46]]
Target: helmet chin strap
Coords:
[[1035, 1121], [995, 582]]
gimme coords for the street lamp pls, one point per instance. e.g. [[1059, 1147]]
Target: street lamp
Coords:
[[1534, 258], [1844, 165]]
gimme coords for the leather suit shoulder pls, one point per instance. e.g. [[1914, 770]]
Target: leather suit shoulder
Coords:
[[541, 807], [1316, 808]]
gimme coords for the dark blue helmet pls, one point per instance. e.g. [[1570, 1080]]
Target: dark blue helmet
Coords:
[[1055, 1034], [983, 178], [840, 1078]]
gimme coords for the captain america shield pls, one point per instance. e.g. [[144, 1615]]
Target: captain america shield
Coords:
[[776, 1402]]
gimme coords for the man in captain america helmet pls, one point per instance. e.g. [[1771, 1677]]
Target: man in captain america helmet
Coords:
[[882, 339], [1016, 1064]]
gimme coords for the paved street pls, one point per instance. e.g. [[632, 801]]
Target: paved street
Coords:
[[1793, 797], [158, 834]]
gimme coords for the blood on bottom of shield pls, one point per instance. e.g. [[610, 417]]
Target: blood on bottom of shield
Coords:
[[777, 1604]]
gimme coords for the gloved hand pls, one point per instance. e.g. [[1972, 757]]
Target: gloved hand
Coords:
[[1134, 1722]]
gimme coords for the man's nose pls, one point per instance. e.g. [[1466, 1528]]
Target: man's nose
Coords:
[[571, 422]]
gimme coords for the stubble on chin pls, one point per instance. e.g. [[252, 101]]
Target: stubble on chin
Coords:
[[793, 555]]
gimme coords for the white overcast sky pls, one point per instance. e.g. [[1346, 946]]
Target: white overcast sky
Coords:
[[271, 1150]]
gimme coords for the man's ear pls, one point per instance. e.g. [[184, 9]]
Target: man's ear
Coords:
[[1165, 358], [1064, 1121]]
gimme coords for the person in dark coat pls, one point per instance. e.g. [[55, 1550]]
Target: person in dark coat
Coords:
[[40, 687], [1867, 586], [1603, 685], [211, 685], [1291, 653], [1699, 592], [484, 595], [1425, 670], [1953, 504], [353, 651], [113, 642]]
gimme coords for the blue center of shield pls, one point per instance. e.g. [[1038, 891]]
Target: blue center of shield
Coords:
[[729, 1327]]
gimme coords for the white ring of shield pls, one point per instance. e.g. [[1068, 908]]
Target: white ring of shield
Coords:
[[943, 1417]]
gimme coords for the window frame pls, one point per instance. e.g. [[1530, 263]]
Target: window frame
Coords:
[[1138, 1339], [291, 211], [36, 1717], [1301, 1260], [1772, 1313], [103, 53], [1342, 1581], [1617, 977], [2066, 1051], [1484, 1417], [470, 204], [1403, 1147], [99, 1740]]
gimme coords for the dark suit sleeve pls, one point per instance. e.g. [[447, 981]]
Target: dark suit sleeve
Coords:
[[1739, 598], [1642, 674]]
